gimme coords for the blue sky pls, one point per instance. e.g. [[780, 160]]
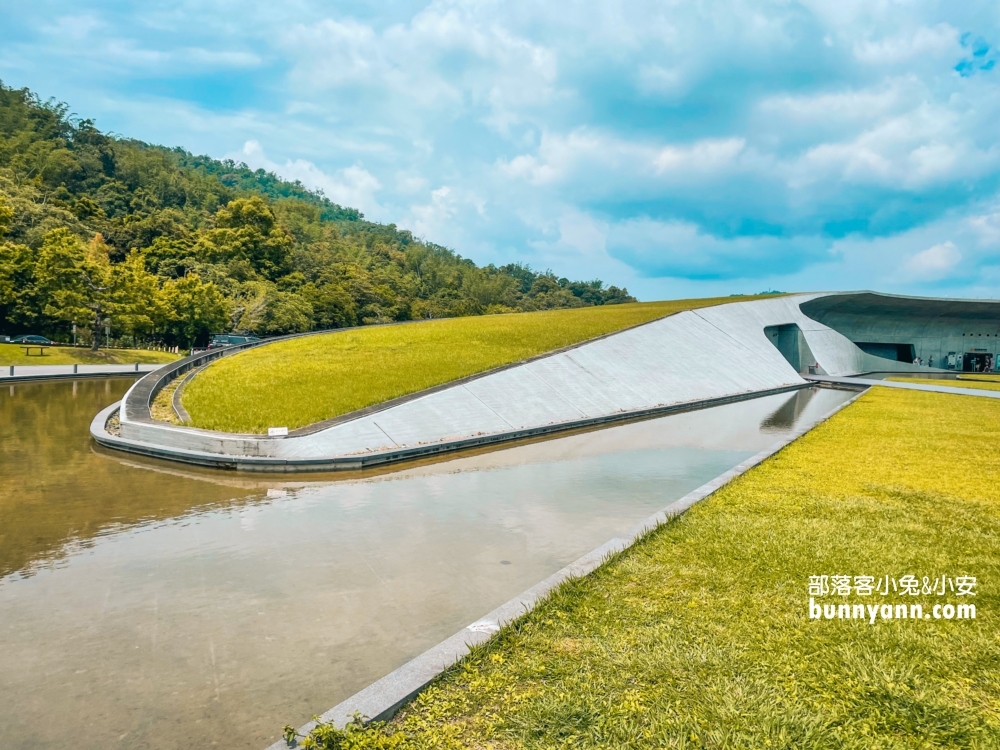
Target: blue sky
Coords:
[[675, 148]]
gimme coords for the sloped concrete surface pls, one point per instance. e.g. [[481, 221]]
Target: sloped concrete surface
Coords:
[[687, 358]]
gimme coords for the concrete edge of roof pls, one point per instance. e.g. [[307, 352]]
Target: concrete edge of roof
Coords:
[[140, 412]]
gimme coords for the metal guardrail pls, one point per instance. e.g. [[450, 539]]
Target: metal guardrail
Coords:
[[138, 401], [41, 372]]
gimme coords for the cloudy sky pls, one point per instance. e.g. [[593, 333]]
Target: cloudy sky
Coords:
[[677, 148]]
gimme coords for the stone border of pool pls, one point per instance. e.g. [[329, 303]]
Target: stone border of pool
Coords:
[[866, 382], [381, 700], [33, 375], [100, 434]]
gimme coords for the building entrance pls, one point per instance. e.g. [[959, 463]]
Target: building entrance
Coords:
[[977, 362]]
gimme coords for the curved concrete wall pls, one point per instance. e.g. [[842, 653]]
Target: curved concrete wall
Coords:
[[933, 327], [696, 356]]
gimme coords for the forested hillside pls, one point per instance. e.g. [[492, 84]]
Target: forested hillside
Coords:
[[167, 247]]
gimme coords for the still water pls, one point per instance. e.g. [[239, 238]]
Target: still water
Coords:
[[144, 605]]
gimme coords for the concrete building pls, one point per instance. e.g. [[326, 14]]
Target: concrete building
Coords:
[[691, 359], [947, 334]]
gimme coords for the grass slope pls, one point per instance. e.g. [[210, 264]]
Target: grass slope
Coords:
[[698, 636], [12, 354], [302, 381], [984, 382]]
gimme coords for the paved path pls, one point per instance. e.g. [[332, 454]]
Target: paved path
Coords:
[[15, 373], [982, 393]]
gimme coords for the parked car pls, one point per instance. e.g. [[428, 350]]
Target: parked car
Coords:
[[231, 339], [35, 340], [4, 339]]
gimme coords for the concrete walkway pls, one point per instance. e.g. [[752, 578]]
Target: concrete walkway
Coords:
[[15, 373], [982, 393]]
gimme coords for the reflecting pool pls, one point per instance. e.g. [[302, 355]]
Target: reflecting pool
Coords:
[[145, 605]]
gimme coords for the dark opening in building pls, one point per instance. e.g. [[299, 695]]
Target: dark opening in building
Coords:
[[895, 352], [788, 340], [977, 361]]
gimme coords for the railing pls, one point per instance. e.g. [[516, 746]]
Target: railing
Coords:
[[28, 371], [137, 402]]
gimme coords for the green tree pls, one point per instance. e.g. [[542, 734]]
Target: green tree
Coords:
[[18, 295], [333, 306], [6, 216], [262, 308], [195, 308], [247, 230], [77, 283]]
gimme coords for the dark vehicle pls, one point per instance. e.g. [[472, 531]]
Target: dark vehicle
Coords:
[[34, 340], [220, 340]]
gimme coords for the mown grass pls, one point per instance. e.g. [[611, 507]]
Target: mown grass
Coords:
[[699, 635], [985, 382], [13, 354], [302, 381]]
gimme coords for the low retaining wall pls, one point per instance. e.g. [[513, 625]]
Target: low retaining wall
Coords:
[[21, 373], [98, 430]]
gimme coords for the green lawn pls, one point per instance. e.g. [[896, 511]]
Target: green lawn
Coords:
[[12, 354], [699, 636], [302, 381], [986, 382]]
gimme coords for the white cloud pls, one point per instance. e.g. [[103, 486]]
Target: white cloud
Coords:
[[444, 56], [567, 157], [90, 38], [847, 107], [429, 218], [986, 227], [933, 264], [925, 146], [901, 48], [702, 156]]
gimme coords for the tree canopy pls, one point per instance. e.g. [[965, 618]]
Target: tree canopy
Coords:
[[160, 245]]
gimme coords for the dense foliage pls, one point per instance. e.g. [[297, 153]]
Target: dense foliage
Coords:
[[164, 246]]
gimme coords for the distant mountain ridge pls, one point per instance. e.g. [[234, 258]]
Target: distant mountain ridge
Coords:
[[157, 244]]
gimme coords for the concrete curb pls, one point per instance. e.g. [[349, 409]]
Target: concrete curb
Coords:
[[381, 700], [865, 382], [31, 377], [390, 456]]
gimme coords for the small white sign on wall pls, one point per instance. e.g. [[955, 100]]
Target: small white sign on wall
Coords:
[[277, 431]]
